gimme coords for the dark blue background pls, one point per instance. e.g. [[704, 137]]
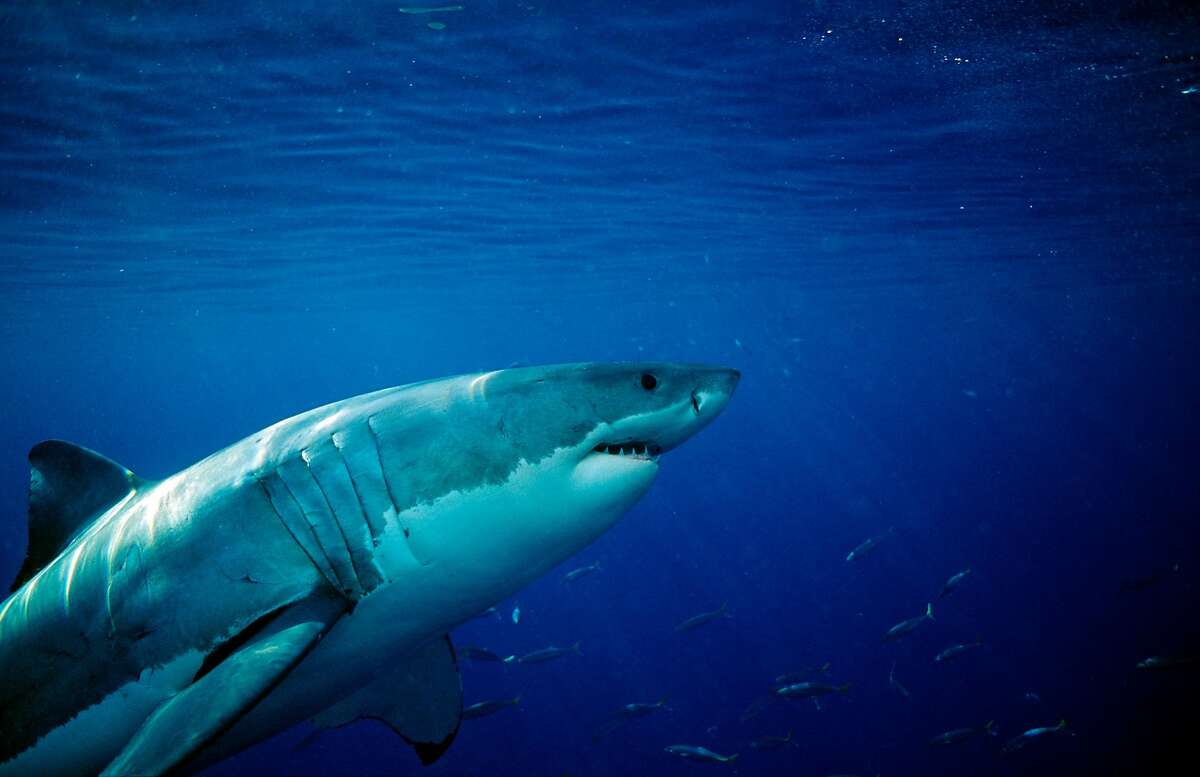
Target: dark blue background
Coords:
[[951, 246]]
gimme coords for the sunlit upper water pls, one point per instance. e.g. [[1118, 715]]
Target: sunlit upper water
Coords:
[[952, 248]]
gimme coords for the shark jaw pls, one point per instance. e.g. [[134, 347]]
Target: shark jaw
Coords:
[[551, 509]]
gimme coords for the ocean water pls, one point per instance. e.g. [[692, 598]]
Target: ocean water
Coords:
[[952, 247]]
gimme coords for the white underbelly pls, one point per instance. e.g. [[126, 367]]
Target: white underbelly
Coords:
[[444, 562]]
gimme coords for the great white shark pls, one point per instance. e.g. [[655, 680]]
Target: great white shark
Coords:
[[313, 570]]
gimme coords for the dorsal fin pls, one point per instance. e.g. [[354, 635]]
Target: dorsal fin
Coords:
[[68, 487]]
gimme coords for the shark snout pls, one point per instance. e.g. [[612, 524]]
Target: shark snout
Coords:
[[713, 391]]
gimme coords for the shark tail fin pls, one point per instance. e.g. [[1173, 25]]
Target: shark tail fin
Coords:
[[68, 487], [1062, 724], [989, 728], [575, 649], [731, 758], [929, 610]]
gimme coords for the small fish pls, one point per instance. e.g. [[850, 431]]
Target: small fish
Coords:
[[481, 654], [626, 713], [771, 743], [1032, 697], [809, 690], [954, 582], [904, 627], [791, 678], [549, 654], [757, 707], [1017, 742], [641, 709], [430, 9], [896, 686], [1190, 90], [516, 615], [1131, 584], [869, 545], [692, 753], [1134, 584], [705, 617], [489, 707], [959, 734], [953, 652], [1166, 662], [575, 574]]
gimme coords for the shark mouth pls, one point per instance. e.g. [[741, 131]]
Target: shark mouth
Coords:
[[634, 449]]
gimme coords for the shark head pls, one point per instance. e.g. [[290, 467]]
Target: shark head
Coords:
[[511, 472]]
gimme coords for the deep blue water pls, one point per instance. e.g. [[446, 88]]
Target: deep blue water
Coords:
[[951, 246]]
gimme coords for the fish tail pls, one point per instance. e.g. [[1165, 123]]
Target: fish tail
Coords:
[[731, 758], [1061, 725], [843, 688], [516, 700], [724, 609], [929, 610], [575, 649], [989, 728], [661, 702], [825, 668]]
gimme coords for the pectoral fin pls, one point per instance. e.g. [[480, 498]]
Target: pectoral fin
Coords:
[[195, 716], [421, 700]]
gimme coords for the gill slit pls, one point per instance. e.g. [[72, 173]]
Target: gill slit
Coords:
[[336, 578], [267, 492], [336, 521]]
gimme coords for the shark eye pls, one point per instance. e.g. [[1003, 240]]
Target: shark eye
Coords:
[[649, 381]]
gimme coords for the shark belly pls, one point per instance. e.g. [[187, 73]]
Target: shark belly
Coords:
[[442, 570]]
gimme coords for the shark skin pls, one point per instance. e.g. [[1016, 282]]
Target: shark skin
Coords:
[[319, 562]]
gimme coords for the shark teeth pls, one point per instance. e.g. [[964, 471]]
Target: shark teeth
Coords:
[[633, 448]]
